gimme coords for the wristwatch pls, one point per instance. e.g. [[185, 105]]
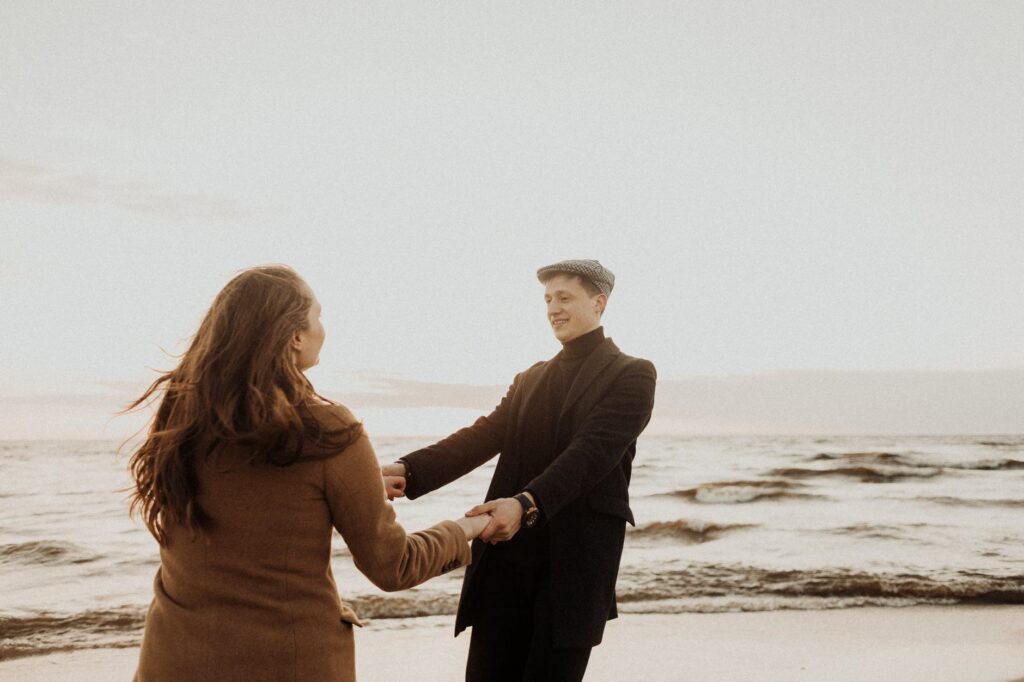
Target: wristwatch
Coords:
[[530, 512]]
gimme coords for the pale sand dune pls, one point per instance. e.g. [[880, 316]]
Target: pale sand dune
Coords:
[[925, 643]]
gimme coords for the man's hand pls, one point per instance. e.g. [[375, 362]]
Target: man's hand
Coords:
[[473, 526], [507, 516], [394, 479]]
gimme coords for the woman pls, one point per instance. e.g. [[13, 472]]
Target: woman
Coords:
[[244, 472]]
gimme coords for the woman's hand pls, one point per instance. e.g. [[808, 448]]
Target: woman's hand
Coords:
[[394, 479], [472, 526], [394, 486], [505, 515]]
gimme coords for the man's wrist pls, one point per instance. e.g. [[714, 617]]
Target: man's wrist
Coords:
[[528, 509]]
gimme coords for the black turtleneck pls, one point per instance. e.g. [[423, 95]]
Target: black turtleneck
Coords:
[[582, 346], [573, 354], [537, 441]]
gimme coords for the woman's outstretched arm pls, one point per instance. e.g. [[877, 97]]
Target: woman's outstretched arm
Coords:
[[381, 549]]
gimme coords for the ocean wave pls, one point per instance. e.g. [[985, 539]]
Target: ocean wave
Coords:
[[48, 552], [889, 459], [866, 474], [989, 465], [413, 604], [742, 582], [879, 531], [973, 502], [689, 531], [753, 603], [738, 492], [874, 457], [45, 632], [1010, 442]]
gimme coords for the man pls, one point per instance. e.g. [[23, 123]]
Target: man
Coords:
[[542, 582]]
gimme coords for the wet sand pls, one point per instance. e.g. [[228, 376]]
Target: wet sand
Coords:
[[921, 643]]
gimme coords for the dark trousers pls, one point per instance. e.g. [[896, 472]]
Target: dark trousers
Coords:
[[511, 631]]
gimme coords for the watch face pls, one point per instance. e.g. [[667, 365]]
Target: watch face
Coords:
[[531, 518]]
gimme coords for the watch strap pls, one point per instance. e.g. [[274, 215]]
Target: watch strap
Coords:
[[523, 500]]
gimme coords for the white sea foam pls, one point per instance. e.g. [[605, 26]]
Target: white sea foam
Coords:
[[734, 494]]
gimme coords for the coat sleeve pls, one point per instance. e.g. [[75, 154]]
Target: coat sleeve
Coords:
[[600, 442], [381, 549], [455, 456]]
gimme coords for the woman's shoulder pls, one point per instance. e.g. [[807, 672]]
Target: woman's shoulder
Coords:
[[336, 429], [332, 414]]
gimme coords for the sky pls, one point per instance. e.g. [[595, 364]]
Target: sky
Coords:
[[784, 191]]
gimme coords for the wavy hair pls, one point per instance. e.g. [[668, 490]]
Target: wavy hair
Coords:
[[237, 384]]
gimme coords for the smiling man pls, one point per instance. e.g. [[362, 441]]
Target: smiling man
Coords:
[[542, 582]]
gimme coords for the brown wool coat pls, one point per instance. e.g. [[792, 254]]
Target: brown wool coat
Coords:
[[255, 599]]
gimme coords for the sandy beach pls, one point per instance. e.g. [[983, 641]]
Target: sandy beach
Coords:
[[921, 643]]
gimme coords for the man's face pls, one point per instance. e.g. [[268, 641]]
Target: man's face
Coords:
[[572, 312]]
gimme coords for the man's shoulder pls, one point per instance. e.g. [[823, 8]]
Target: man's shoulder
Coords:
[[639, 363], [633, 363], [534, 368], [538, 365]]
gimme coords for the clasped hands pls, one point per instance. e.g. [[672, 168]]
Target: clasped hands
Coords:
[[506, 514]]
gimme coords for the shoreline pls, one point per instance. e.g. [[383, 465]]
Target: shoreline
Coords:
[[914, 643]]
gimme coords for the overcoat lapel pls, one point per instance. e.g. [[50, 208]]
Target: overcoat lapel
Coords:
[[592, 367], [529, 394]]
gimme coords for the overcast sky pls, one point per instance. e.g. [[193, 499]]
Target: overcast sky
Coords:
[[777, 186]]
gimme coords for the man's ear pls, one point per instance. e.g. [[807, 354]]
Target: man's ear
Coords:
[[602, 302]]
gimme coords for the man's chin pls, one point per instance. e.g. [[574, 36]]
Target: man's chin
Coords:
[[563, 335]]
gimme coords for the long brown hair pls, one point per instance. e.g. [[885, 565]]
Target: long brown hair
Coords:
[[237, 384]]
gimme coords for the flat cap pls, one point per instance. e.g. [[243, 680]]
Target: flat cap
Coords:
[[602, 277]]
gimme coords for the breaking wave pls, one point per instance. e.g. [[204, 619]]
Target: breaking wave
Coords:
[[688, 531], [46, 632], [888, 459], [866, 474], [738, 492], [754, 585], [973, 502], [46, 552]]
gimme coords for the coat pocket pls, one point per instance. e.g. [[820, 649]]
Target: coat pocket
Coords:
[[613, 506], [349, 616]]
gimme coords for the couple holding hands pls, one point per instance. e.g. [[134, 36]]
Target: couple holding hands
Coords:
[[246, 469]]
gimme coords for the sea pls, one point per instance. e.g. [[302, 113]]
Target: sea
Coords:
[[742, 523]]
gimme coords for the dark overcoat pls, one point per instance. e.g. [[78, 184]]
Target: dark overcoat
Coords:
[[583, 493]]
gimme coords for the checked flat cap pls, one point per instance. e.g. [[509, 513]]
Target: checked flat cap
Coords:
[[602, 277]]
